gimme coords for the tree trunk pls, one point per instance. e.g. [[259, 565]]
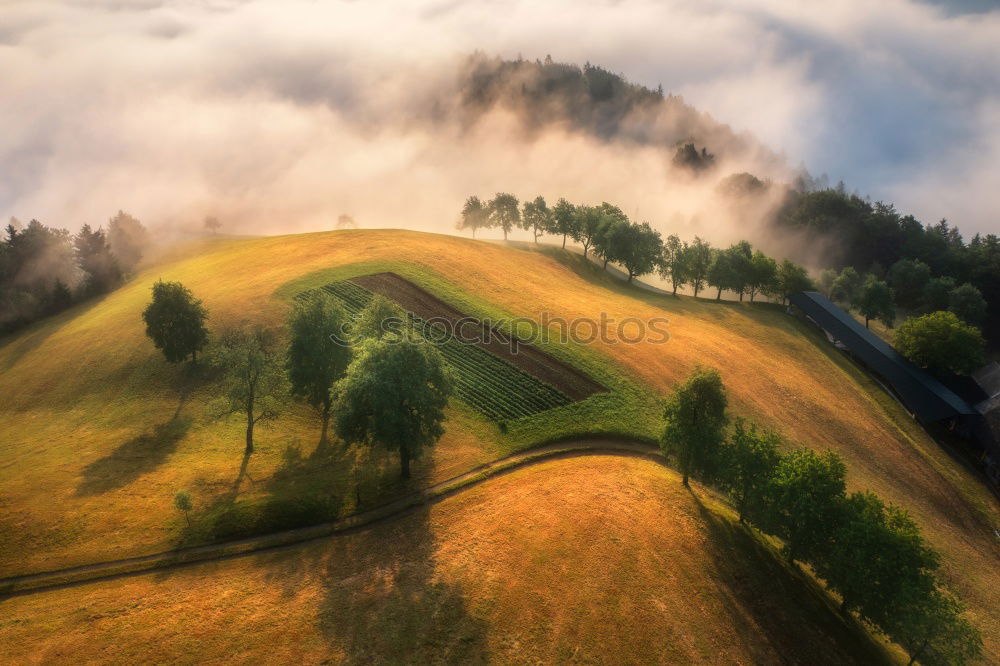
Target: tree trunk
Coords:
[[605, 264], [326, 421], [473, 233], [564, 241], [718, 296], [630, 276], [505, 234], [404, 461], [250, 424], [916, 655], [866, 321], [741, 297], [685, 480]]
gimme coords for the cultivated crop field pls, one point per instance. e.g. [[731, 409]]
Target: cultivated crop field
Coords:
[[497, 389]]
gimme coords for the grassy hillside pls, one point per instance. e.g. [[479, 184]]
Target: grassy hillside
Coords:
[[98, 432], [600, 559]]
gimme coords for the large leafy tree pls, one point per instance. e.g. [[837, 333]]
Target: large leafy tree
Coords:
[[908, 279], [673, 262], [641, 249], [694, 424], [394, 396], [475, 215], [804, 501], [846, 286], [380, 317], [763, 274], [504, 212], [254, 381], [536, 217], [751, 458], [721, 273], [175, 321], [698, 260], [318, 351], [930, 627], [565, 220], [875, 300], [968, 304], [877, 555], [590, 224], [792, 279], [940, 342]]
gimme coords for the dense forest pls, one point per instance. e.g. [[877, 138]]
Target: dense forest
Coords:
[[44, 270]]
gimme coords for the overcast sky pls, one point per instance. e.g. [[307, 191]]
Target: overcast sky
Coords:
[[286, 112]]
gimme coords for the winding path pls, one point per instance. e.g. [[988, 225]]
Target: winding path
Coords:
[[61, 578]]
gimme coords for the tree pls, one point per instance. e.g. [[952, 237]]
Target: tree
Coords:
[[128, 239], [504, 213], [936, 294], [741, 258], [875, 300], [792, 279], [639, 249], [255, 384], [318, 351], [590, 223], [751, 458], [182, 501], [536, 217], [763, 274], [565, 220], [475, 215], [698, 259], [846, 286], [876, 555], [380, 316], [394, 396], [930, 627], [612, 238], [908, 278], [694, 424], [968, 304], [94, 256], [940, 342], [673, 262], [804, 501], [720, 273], [212, 224], [175, 322]]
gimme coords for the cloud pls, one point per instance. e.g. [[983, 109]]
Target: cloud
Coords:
[[280, 116]]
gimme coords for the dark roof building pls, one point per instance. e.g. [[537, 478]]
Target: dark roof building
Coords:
[[923, 395]]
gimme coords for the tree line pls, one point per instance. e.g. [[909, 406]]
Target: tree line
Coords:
[[871, 554], [44, 270], [925, 263], [378, 385], [943, 337], [613, 238]]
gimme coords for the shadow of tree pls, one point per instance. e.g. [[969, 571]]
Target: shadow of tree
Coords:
[[774, 606], [139, 455], [383, 601]]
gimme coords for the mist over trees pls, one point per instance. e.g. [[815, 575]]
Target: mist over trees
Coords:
[[44, 270]]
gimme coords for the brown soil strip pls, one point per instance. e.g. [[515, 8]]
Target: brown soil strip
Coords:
[[529, 358]]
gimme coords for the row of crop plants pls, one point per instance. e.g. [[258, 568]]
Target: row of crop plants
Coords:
[[494, 387]]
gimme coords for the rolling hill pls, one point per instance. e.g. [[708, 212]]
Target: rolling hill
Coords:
[[599, 559], [98, 432]]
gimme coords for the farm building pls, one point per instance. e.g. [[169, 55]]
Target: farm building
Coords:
[[928, 399]]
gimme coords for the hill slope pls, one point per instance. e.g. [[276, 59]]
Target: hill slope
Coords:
[[98, 432], [600, 559]]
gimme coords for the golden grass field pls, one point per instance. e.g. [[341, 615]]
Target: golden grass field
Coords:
[[595, 559], [98, 433]]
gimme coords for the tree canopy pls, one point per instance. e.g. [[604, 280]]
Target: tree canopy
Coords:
[[940, 342], [694, 424], [175, 321]]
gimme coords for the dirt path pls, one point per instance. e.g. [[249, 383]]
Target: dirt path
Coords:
[[61, 578]]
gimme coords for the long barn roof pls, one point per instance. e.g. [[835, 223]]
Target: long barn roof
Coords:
[[922, 394]]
